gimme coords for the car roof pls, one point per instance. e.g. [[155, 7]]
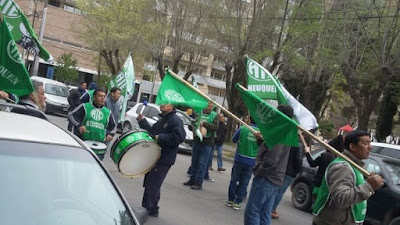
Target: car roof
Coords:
[[49, 81], [18, 127], [384, 145]]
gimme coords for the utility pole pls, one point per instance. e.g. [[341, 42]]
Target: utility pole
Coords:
[[154, 82], [41, 32]]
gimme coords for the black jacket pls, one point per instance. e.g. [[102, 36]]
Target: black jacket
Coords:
[[221, 133], [324, 159], [31, 109], [170, 133], [295, 162], [74, 99]]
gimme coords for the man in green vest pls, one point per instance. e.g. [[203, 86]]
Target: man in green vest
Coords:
[[245, 159], [94, 121], [202, 149], [343, 194]]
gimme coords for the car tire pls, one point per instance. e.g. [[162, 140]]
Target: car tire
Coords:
[[395, 221], [302, 196], [126, 127]]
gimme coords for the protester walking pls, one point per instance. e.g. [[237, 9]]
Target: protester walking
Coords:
[[168, 132], [269, 173], [243, 164], [218, 143], [342, 196]]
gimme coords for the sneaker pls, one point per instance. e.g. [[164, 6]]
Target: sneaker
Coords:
[[209, 179], [196, 187], [229, 203], [236, 206], [274, 215], [221, 169], [189, 183]]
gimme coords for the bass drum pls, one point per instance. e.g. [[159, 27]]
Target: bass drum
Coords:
[[135, 153]]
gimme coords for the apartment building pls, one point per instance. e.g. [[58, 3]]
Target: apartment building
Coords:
[[62, 35]]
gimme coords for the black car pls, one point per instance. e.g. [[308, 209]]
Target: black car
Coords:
[[383, 206]]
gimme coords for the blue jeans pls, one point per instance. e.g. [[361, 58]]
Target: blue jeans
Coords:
[[286, 182], [260, 202], [219, 156], [200, 156], [240, 177]]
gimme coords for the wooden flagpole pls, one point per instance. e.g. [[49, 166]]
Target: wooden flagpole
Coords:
[[215, 103], [327, 146]]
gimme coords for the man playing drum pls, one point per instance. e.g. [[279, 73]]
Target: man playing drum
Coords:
[[168, 132], [94, 121]]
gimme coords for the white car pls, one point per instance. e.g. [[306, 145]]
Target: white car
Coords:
[[51, 177], [150, 112]]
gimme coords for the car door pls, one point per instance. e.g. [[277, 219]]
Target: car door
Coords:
[[378, 203], [151, 114]]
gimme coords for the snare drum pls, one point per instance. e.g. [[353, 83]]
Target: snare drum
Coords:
[[97, 147], [135, 153]]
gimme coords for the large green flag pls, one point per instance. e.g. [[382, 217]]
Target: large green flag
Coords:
[[125, 81], [21, 30], [301, 113], [262, 83], [173, 91], [275, 126], [14, 77]]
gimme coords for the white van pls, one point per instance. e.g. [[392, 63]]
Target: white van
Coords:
[[56, 95]]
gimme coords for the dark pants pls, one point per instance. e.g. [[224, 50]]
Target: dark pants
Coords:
[[240, 177], [152, 185], [200, 156]]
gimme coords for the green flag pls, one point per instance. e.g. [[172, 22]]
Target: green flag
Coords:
[[173, 91], [21, 30], [275, 126], [262, 83], [13, 75], [125, 81]]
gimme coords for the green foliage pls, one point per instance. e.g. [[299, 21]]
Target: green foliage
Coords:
[[326, 128], [148, 75], [388, 110], [67, 70]]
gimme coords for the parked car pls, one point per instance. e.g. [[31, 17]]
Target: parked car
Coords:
[[50, 176], [383, 206], [56, 95], [386, 149], [150, 112]]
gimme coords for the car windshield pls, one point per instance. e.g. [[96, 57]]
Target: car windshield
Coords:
[[57, 90], [52, 184], [394, 171]]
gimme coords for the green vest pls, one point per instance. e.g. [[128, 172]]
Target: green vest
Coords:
[[248, 142], [358, 210], [91, 92], [95, 121], [209, 118]]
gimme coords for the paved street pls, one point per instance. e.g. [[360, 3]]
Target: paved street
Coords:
[[179, 205]]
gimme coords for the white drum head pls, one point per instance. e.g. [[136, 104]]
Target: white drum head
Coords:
[[96, 145], [139, 159]]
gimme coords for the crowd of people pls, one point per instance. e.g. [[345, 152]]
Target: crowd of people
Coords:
[[340, 189]]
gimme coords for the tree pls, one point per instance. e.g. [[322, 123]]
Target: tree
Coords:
[[370, 51], [388, 110], [67, 68], [110, 27]]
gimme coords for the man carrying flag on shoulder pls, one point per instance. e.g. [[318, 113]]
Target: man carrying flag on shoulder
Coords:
[[269, 173], [202, 149], [94, 121]]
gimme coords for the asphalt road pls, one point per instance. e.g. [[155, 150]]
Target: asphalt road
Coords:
[[179, 205]]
